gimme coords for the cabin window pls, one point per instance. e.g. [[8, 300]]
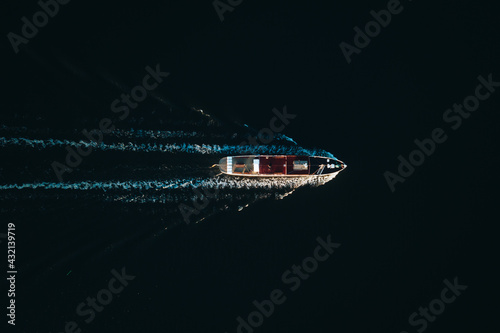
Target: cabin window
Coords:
[[256, 165], [299, 165], [229, 166]]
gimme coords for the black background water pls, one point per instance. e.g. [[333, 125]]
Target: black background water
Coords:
[[397, 248]]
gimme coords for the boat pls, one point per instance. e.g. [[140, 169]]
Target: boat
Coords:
[[280, 166]]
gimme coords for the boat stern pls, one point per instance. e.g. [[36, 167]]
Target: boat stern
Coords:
[[223, 165]]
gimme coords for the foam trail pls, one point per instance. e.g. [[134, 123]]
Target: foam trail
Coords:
[[284, 137], [167, 148], [109, 185], [216, 182], [168, 198], [130, 133], [154, 134]]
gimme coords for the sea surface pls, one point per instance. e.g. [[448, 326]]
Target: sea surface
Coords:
[[147, 229]]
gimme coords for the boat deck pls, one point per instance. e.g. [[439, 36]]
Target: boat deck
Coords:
[[279, 165]]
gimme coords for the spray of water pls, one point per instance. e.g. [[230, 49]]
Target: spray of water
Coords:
[[167, 147]]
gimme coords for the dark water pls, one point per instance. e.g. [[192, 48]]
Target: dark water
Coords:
[[118, 211]]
